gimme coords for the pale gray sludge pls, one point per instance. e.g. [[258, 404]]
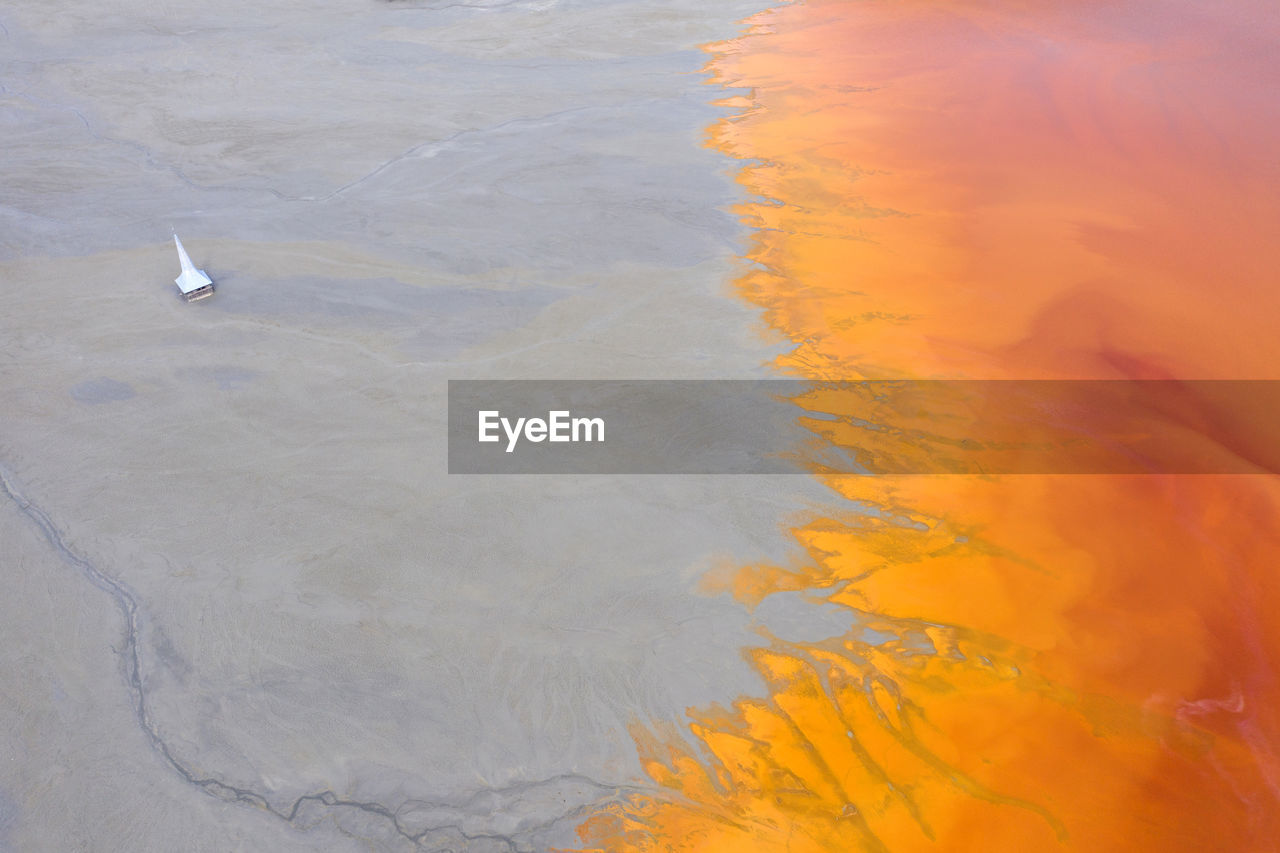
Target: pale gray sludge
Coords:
[[323, 641], [410, 821]]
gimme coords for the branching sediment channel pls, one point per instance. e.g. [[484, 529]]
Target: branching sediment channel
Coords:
[[127, 602]]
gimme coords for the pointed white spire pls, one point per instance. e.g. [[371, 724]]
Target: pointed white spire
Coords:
[[191, 278], [183, 258]]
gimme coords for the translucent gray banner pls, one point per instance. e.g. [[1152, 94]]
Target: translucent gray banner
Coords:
[[783, 426]]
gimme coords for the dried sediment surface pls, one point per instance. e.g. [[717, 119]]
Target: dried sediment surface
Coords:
[[245, 607]]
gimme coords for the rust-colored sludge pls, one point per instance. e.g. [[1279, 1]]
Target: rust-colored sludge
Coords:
[[994, 190]]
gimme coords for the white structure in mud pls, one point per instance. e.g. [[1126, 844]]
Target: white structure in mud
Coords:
[[193, 283]]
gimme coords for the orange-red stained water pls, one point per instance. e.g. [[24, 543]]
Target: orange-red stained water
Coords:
[[1006, 189]]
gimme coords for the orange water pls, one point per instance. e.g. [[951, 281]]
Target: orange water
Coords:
[[1006, 189]]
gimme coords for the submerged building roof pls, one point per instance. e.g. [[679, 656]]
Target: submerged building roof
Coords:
[[191, 278]]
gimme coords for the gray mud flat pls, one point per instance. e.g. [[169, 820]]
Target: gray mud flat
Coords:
[[244, 606]]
